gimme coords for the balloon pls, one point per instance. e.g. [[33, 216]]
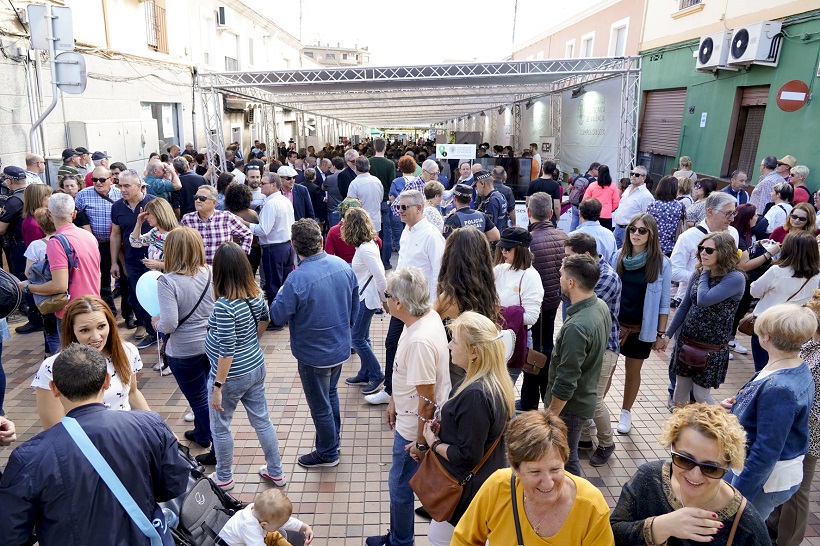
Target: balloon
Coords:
[[147, 292]]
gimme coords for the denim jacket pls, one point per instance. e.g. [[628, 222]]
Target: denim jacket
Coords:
[[775, 413], [656, 302], [319, 301]]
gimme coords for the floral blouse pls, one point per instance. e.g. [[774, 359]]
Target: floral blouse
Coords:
[[810, 353], [154, 240], [667, 215]]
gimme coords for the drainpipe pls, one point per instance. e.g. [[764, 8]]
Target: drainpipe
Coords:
[[105, 24]]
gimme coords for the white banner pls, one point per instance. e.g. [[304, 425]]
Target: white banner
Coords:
[[590, 126], [455, 151]]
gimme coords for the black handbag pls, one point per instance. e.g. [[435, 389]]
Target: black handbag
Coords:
[[166, 337], [10, 294]]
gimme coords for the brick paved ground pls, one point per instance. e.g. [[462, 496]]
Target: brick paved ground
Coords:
[[350, 501]]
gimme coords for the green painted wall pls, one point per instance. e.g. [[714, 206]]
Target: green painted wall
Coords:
[[796, 133]]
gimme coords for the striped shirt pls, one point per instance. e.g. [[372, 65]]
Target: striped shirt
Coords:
[[232, 333], [98, 210]]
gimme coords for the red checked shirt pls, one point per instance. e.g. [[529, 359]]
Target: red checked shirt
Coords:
[[221, 227]]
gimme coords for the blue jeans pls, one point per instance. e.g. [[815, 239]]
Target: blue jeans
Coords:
[[334, 218], [759, 354], [574, 426], [765, 503], [370, 368], [398, 227], [51, 334], [387, 234], [619, 236], [250, 389], [191, 374], [322, 397], [402, 526], [576, 219]]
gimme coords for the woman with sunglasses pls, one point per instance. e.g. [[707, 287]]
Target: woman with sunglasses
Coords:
[[646, 280], [475, 415], [801, 218], [704, 318], [697, 212], [687, 499], [774, 409], [792, 278]]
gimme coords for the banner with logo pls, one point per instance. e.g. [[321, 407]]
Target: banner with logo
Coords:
[[455, 151], [590, 127]]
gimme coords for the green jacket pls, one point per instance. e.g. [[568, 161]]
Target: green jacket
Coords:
[[577, 357]]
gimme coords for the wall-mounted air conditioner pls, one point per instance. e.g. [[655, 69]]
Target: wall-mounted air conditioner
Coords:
[[713, 51], [756, 44]]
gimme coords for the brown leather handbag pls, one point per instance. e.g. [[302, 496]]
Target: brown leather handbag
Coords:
[[694, 354], [624, 331], [536, 361], [747, 323], [437, 489]]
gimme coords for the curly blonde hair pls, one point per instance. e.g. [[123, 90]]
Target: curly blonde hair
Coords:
[[715, 423], [358, 228]]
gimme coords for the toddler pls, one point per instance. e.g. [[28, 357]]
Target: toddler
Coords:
[[260, 523]]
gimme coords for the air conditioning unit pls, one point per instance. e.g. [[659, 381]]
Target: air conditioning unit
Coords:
[[250, 116], [756, 44], [224, 17], [235, 104], [713, 51]]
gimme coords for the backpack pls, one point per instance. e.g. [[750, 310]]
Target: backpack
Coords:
[[579, 185], [40, 273]]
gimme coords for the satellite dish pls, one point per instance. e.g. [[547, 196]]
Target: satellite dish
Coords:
[[706, 48], [739, 43]]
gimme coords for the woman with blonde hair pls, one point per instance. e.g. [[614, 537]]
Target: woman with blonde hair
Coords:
[[687, 499], [474, 418], [685, 169], [704, 320], [160, 216], [89, 321], [186, 299], [685, 185], [359, 232], [801, 218]]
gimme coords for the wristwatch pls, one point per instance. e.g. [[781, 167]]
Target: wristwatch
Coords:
[[26, 289], [422, 447], [662, 335], [218, 384]]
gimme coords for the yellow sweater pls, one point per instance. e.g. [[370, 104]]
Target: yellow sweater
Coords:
[[490, 517]]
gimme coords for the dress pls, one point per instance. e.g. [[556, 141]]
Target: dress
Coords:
[[667, 215], [649, 494], [711, 323]]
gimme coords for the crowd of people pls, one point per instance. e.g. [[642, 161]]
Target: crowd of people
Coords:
[[473, 300]]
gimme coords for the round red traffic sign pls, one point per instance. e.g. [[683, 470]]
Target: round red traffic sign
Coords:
[[792, 96]]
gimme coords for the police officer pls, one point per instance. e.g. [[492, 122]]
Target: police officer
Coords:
[[463, 215]]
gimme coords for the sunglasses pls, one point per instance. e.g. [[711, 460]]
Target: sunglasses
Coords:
[[708, 250], [709, 470], [201, 198], [637, 174], [405, 207], [388, 295], [639, 230], [798, 218], [286, 177], [697, 186], [100, 180], [436, 413]]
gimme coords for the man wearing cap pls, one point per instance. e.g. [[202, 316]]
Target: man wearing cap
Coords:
[[296, 193], [369, 190], [100, 160], [71, 160], [35, 166], [769, 178], [785, 165], [84, 163], [189, 184], [11, 227], [493, 202], [464, 216]]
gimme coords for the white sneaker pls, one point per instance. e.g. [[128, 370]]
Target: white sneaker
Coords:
[[377, 398], [731, 356], [738, 348], [625, 424], [189, 417], [157, 366]]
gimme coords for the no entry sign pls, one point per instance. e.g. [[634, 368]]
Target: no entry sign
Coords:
[[792, 96]]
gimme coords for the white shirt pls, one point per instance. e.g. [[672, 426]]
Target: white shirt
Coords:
[[367, 262], [116, 396], [244, 530], [507, 282], [422, 246], [776, 286], [275, 220], [634, 201], [777, 216], [240, 176], [369, 190], [36, 251], [684, 254]]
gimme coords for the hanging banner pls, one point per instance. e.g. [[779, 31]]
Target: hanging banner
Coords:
[[167, 121], [590, 127], [455, 151]]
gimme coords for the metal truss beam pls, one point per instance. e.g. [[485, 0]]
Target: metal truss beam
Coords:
[[630, 108]]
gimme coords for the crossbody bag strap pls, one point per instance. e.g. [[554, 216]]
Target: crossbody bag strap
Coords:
[[802, 286], [70, 254], [520, 282], [111, 480], [736, 522], [255, 320], [515, 511], [366, 285], [489, 451], [196, 306]]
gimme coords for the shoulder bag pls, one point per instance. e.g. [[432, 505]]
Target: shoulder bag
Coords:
[[694, 354], [156, 528], [515, 511], [736, 522], [535, 360], [437, 489], [40, 273], [181, 322], [747, 323]]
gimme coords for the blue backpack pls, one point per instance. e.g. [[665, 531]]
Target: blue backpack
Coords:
[[40, 273]]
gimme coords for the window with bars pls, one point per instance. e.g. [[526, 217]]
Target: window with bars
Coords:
[[155, 27], [689, 3]]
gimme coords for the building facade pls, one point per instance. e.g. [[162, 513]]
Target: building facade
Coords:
[[337, 56]]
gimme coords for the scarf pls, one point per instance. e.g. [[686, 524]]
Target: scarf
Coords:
[[631, 263]]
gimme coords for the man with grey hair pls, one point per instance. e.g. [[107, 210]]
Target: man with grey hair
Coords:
[[79, 274], [769, 178], [319, 301], [635, 200], [429, 171], [162, 180], [348, 174], [368, 189], [421, 379], [215, 226]]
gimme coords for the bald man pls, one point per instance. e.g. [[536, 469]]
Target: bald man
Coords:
[[35, 166]]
